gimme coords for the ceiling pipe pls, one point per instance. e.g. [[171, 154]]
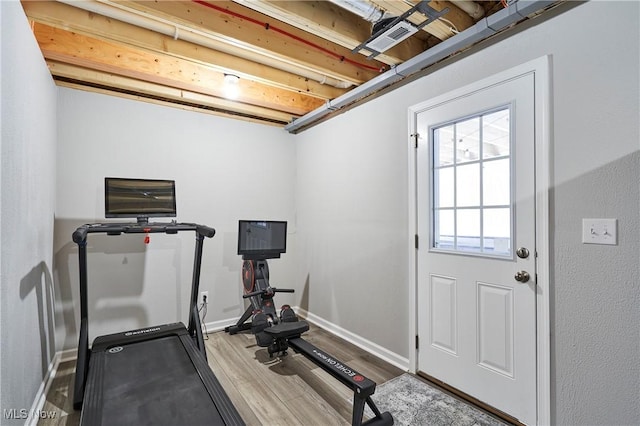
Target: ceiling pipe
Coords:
[[372, 13], [484, 28], [362, 8], [182, 32], [472, 8]]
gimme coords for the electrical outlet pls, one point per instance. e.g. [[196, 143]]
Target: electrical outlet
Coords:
[[204, 296]]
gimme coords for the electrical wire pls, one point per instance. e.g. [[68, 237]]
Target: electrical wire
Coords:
[[452, 26], [203, 307], [268, 26]]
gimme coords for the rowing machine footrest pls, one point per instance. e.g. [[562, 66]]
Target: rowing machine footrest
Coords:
[[287, 314], [259, 323], [287, 330]]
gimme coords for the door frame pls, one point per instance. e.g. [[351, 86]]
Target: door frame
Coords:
[[541, 69]]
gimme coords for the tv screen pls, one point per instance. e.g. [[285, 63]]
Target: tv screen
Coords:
[[262, 239], [140, 198]]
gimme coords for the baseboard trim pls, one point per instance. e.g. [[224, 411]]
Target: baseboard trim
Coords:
[[369, 346], [214, 326], [41, 394]]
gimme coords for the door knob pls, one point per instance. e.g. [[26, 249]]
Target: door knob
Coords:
[[522, 276]]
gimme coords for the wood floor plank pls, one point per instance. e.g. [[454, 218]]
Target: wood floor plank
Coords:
[[59, 397], [227, 382], [279, 393], [368, 370], [311, 410]]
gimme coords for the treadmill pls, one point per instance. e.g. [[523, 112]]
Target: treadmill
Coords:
[[152, 376]]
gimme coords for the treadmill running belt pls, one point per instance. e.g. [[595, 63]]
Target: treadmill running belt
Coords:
[[154, 382]]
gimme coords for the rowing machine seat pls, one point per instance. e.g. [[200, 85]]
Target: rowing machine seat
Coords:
[[287, 330]]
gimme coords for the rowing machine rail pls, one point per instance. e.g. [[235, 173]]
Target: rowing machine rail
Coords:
[[288, 335]]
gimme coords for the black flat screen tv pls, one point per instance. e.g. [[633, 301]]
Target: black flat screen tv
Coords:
[[261, 239], [139, 198]]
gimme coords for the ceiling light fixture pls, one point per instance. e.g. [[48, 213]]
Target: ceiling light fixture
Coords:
[[230, 88]]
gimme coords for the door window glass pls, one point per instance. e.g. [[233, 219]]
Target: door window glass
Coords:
[[471, 176]]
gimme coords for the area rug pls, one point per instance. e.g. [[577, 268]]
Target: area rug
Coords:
[[411, 401]]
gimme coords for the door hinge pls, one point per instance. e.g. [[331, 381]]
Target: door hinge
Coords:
[[416, 241], [417, 342], [415, 137]]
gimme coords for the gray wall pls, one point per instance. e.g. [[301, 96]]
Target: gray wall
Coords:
[[352, 206], [224, 170], [26, 214]]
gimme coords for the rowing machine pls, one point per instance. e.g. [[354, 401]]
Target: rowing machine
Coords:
[[257, 242]]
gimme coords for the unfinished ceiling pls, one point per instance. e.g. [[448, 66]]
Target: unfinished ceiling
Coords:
[[260, 60]]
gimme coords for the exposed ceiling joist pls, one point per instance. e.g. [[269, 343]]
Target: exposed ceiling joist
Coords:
[[80, 21], [246, 29], [456, 18], [77, 77], [87, 52], [293, 57], [332, 23]]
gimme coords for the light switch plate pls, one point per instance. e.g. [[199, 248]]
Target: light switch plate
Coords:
[[600, 231]]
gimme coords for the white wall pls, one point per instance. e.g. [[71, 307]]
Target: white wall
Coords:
[[352, 227], [27, 207], [352, 206], [224, 170]]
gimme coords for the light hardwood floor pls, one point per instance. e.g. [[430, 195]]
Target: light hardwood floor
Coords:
[[266, 391]]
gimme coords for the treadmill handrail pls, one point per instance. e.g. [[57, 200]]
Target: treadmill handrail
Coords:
[[80, 234]]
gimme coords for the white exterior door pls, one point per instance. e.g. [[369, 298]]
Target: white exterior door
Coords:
[[476, 262]]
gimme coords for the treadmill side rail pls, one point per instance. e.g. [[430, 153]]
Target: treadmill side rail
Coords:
[[225, 407]]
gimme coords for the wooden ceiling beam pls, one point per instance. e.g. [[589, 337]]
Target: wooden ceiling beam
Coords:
[[333, 23], [261, 34], [157, 101], [99, 81], [66, 17], [76, 49]]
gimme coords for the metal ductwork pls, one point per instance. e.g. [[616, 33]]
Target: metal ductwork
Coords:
[[385, 32], [483, 29], [388, 30]]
